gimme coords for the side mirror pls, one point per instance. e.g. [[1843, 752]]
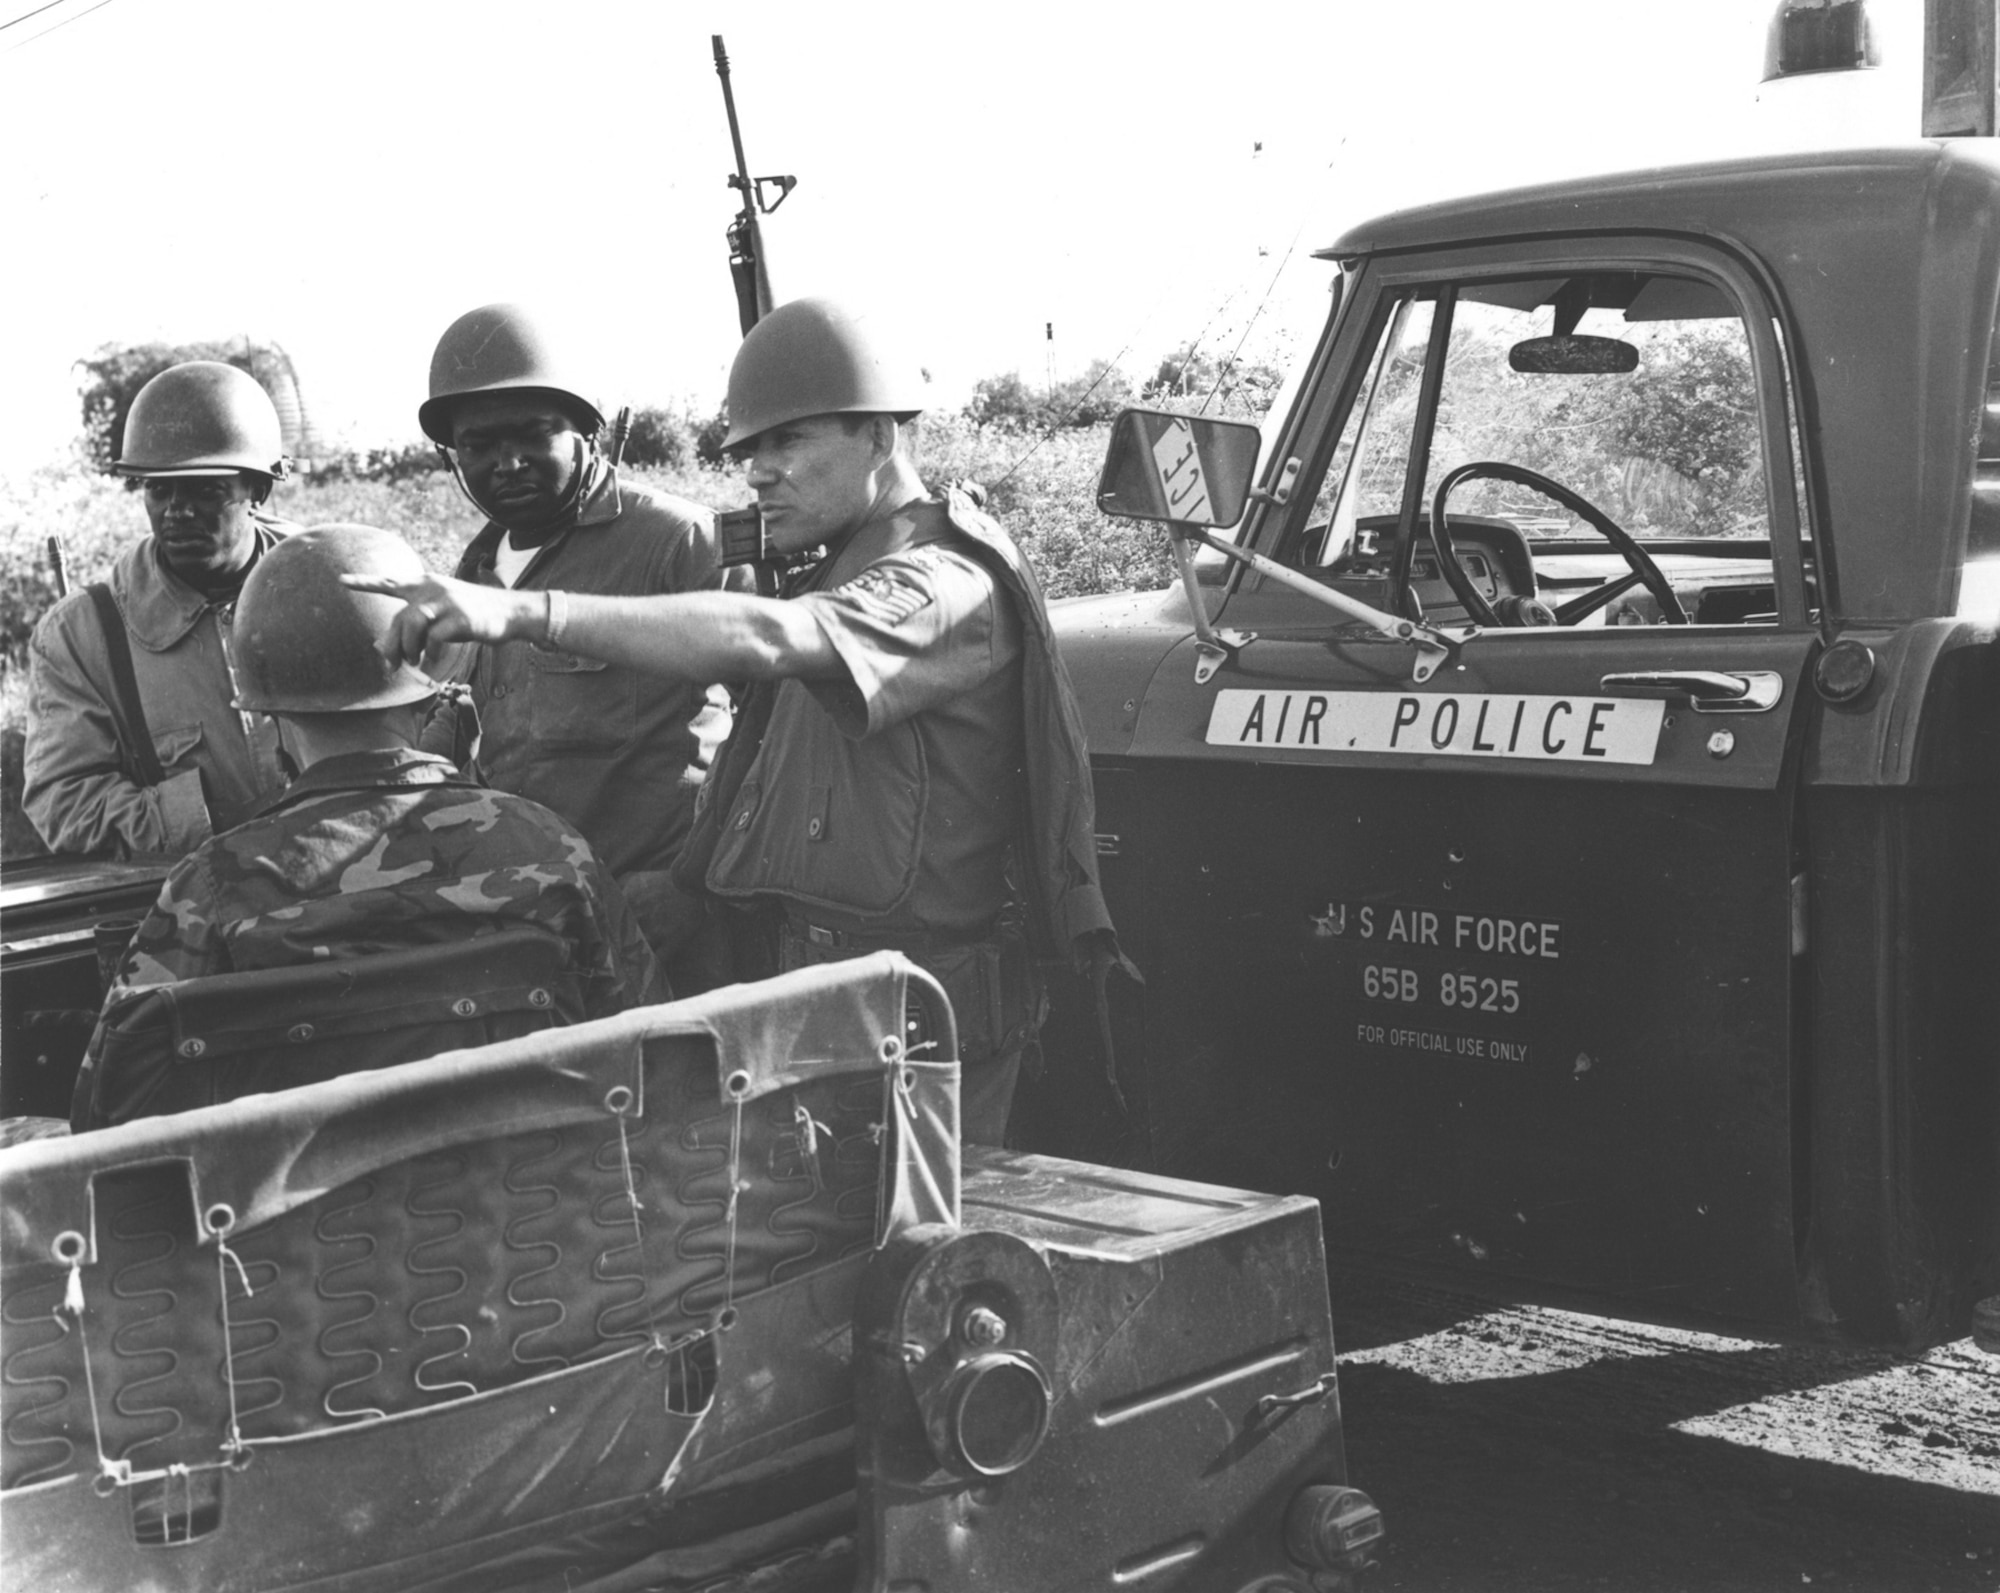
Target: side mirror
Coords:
[[1578, 354], [1183, 468]]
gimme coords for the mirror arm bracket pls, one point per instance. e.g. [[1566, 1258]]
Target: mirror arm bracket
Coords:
[[1213, 648]]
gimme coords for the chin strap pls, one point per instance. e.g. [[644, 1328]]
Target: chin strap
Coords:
[[451, 463], [591, 468]]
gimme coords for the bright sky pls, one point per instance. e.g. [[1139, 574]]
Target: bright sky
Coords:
[[346, 178]]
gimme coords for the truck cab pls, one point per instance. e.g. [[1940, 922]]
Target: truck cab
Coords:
[[1569, 847]]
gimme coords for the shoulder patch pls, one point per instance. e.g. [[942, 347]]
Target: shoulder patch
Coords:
[[884, 596]]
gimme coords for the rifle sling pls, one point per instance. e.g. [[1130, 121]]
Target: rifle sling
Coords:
[[118, 649]]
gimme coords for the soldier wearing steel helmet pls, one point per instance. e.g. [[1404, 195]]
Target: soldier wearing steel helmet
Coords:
[[377, 846], [606, 746], [909, 770], [133, 746]]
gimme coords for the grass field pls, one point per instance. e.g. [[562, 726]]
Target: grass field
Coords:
[[1042, 488]]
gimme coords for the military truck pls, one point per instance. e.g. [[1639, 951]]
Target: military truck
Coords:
[[1558, 811]]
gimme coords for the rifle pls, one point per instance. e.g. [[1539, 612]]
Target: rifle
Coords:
[[58, 566], [746, 240]]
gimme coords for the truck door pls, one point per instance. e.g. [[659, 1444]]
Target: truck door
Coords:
[[1503, 964]]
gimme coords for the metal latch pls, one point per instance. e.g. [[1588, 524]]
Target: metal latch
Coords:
[[1707, 691], [1312, 1393]]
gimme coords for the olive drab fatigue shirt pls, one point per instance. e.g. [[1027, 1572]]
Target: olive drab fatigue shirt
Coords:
[[81, 787], [603, 745]]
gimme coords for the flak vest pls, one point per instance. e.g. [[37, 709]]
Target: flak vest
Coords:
[[1056, 847]]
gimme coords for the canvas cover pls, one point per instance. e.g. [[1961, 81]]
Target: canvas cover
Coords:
[[566, 1303]]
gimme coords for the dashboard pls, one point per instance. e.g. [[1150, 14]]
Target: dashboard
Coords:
[[1494, 553], [1726, 582]]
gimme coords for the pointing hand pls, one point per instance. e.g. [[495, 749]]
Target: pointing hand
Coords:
[[439, 610]]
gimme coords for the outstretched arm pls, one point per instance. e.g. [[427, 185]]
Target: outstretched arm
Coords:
[[698, 636]]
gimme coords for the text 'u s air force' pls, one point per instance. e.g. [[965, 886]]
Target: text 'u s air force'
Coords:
[[1464, 724]]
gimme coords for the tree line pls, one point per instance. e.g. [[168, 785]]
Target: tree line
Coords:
[[671, 436]]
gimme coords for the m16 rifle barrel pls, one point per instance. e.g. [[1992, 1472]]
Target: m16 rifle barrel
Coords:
[[742, 178]]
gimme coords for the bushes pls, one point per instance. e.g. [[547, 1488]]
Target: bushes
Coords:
[[1044, 491], [427, 511], [658, 439], [1217, 384], [1091, 399], [94, 516], [1184, 379], [675, 439], [398, 462]]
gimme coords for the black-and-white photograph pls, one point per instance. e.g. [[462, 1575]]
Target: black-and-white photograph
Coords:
[[1164, 799]]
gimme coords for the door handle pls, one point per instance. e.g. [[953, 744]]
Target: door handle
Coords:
[[1708, 691]]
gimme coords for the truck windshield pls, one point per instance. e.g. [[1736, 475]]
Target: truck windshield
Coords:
[[1669, 450], [1633, 392]]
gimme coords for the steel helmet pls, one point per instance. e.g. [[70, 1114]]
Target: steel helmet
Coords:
[[498, 348], [816, 357], [304, 643], [202, 418]]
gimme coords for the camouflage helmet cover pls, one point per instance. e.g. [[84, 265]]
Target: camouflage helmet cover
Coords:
[[499, 348], [202, 418], [304, 643], [817, 357]]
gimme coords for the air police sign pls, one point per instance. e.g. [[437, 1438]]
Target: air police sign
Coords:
[[1463, 724]]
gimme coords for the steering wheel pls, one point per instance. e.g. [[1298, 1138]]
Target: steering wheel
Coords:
[[1482, 612]]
